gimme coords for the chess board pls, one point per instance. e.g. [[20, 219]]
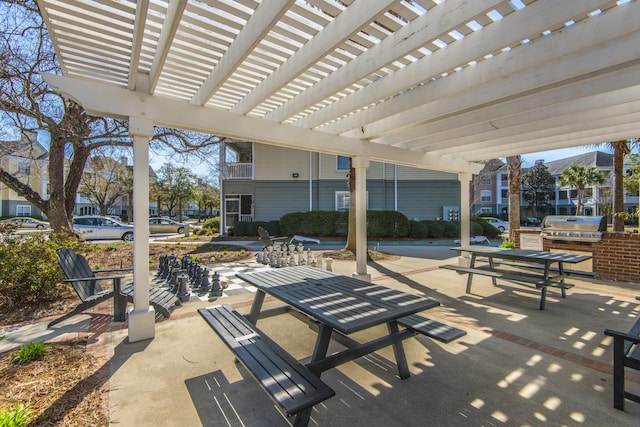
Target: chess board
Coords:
[[227, 273]]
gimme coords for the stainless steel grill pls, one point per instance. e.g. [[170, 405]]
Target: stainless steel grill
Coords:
[[574, 228]]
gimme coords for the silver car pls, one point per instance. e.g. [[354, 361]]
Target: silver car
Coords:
[[95, 227], [165, 225], [27, 222]]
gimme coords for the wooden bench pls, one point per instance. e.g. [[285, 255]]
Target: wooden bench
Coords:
[[566, 271], [626, 353], [289, 383], [536, 280], [431, 328]]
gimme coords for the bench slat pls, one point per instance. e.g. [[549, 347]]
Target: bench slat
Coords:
[[289, 383], [161, 300], [431, 328]]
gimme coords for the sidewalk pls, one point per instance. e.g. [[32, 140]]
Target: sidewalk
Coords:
[[517, 365]]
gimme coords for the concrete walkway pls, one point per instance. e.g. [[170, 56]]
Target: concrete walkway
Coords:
[[516, 366]]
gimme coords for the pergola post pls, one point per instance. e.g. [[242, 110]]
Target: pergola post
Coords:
[[360, 164], [142, 316], [465, 214]]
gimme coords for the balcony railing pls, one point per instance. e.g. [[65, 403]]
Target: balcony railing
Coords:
[[238, 170]]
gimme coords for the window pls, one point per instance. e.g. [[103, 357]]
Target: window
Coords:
[[23, 210], [505, 194], [588, 192], [562, 195], [504, 181], [485, 179], [485, 196], [24, 168], [342, 200], [485, 210], [342, 163]]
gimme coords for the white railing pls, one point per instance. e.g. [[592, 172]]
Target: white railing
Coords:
[[238, 171], [246, 218]]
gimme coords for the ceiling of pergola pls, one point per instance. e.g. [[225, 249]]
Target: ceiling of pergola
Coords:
[[431, 83]]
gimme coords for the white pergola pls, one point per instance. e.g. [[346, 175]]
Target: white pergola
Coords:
[[431, 84]]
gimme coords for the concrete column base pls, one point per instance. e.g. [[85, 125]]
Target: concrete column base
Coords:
[[365, 276], [464, 261], [142, 325]]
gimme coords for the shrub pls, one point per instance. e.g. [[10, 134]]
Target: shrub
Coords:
[[451, 229], [212, 223], [436, 230], [25, 278], [508, 244], [418, 230], [15, 417], [291, 223], [319, 223], [475, 228], [387, 224], [341, 227], [29, 352]]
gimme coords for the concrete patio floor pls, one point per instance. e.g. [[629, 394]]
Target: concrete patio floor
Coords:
[[517, 365]]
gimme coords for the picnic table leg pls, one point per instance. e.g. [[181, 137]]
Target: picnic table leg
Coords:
[[491, 266], [319, 352], [618, 374], [119, 302], [472, 264], [561, 273], [256, 307], [398, 351]]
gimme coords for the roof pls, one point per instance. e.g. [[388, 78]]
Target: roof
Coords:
[[593, 158], [424, 83], [27, 147]]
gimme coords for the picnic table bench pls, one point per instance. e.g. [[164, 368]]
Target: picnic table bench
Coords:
[[289, 383], [626, 353]]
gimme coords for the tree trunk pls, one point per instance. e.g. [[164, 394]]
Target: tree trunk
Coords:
[[619, 151], [514, 172], [58, 217], [351, 228]]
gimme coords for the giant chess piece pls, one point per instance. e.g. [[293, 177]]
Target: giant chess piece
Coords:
[[183, 292], [216, 290], [204, 283]]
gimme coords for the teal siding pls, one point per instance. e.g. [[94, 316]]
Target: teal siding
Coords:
[[425, 199], [272, 199]]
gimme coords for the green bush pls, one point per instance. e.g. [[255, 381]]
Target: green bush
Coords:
[[291, 223], [27, 278], [508, 244], [342, 224], [451, 229], [15, 417], [418, 230], [387, 224], [436, 229], [475, 229], [320, 223], [212, 223]]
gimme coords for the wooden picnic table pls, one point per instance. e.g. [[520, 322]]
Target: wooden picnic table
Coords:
[[542, 278]]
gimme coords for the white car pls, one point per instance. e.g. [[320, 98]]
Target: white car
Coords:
[[497, 223], [27, 222], [95, 227]]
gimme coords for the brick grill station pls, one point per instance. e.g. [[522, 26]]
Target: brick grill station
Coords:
[[616, 257]]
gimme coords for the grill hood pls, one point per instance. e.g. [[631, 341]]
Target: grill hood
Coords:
[[576, 228]]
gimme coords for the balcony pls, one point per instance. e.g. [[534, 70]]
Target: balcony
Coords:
[[237, 171]]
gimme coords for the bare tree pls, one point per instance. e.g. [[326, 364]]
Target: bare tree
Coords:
[[514, 170], [29, 105], [101, 184]]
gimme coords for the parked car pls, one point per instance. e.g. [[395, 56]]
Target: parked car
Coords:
[[498, 223], [96, 227], [27, 222], [531, 221], [165, 225]]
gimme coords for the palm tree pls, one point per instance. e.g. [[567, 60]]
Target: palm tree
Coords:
[[620, 150], [580, 177]]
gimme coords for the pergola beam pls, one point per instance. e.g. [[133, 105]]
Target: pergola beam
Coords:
[[104, 100], [336, 32], [259, 24], [530, 20]]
